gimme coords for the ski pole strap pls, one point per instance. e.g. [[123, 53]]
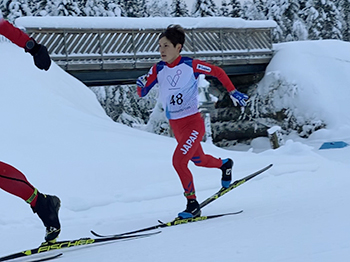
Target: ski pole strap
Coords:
[[35, 193]]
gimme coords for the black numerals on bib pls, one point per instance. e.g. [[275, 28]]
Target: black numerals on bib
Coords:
[[176, 100]]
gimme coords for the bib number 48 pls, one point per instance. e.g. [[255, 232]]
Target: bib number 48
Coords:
[[176, 99]]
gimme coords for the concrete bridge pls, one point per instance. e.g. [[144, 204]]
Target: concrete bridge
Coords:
[[108, 51]]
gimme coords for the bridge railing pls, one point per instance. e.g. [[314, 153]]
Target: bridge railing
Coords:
[[98, 49], [113, 49]]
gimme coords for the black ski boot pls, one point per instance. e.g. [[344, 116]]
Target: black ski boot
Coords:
[[47, 209], [226, 172], [192, 209]]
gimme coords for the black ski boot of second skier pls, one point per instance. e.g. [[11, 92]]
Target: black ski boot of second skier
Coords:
[[47, 208]]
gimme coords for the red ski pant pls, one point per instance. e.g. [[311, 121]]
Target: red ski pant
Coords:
[[14, 182], [188, 132]]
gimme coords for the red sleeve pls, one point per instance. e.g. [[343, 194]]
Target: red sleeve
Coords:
[[201, 67], [14, 34]]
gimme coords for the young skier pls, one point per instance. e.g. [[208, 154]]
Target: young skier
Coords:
[[178, 91], [11, 179]]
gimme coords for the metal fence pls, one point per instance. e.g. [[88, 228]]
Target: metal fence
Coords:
[[109, 49]]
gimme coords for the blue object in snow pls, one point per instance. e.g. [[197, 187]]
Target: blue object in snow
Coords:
[[337, 144]]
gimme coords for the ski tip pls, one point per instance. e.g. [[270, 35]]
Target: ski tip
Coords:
[[269, 166], [96, 234]]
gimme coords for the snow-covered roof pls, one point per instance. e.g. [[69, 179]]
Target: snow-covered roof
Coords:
[[139, 23]]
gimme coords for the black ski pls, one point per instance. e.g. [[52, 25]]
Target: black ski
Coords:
[[210, 199], [233, 185], [59, 245], [176, 221]]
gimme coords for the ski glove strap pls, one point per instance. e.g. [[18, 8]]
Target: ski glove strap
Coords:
[[238, 97]]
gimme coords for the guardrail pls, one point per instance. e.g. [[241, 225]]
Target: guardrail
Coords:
[[115, 50]]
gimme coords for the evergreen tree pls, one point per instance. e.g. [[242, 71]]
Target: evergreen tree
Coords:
[[87, 8], [332, 28], [66, 8], [203, 8], [344, 8], [81, 5], [39, 9], [158, 8], [113, 8], [93, 8], [224, 9], [255, 10], [275, 12], [322, 19], [135, 8], [236, 10], [179, 9], [43, 7], [290, 26], [3, 9], [294, 28], [15, 8]]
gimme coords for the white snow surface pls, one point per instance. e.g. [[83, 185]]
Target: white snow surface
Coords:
[[112, 178], [139, 23]]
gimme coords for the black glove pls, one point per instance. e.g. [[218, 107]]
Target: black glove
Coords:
[[40, 55]]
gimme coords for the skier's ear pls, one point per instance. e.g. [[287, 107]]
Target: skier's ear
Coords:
[[178, 47]]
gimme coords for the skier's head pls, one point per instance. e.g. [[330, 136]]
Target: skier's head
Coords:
[[171, 42], [175, 34]]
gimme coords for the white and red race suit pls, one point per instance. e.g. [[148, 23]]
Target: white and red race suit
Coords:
[[178, 92]]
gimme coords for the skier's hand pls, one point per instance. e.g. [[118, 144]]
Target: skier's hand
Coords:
[[238, 97], [40, 55], [141, 82]]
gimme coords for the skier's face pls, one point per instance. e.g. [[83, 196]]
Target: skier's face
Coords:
[[168, 52]]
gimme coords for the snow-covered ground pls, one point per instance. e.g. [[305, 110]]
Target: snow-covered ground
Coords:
[[112, 178]]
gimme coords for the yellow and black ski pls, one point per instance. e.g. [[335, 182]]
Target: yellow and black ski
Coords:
[[31, 254], [180, 221], [176, 221]]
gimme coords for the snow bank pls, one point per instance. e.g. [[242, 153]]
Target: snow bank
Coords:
[[314, 78]]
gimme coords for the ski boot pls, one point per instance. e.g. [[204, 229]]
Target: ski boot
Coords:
[[47, 209], [226, 172], [192, 210]]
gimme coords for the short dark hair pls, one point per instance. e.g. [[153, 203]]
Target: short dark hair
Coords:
[[175, 34]]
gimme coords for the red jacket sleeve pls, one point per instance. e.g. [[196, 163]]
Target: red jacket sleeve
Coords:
[[12, 33], [201, 67]]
